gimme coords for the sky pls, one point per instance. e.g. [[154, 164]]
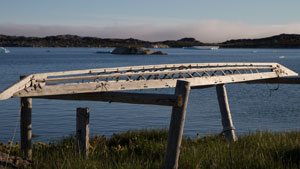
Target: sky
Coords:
[[153, 20]]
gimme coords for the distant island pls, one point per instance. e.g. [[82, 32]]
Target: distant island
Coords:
[[78, 41], [278, 41]]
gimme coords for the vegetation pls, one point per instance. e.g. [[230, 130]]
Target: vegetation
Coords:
[[146, 149]]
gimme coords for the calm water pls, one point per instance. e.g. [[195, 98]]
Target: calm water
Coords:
[[253, 107]]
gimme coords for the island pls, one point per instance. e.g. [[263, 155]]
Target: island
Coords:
[[127, 50]]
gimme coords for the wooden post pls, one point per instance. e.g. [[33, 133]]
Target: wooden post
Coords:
[[182, 92], [228, 127], [26, 126], [82, 130]]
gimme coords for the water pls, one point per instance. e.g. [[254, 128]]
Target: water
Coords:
[[253, 107]]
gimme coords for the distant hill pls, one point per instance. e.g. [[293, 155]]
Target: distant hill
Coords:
[[65, 41], [184, 42], [78, 41], [278, 41]]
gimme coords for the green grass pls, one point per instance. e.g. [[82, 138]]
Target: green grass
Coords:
[[146, 149]]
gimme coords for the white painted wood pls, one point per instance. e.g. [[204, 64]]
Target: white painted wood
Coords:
[[82, 130], [182, 92]]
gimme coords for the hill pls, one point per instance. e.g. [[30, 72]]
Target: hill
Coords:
[[278, 41], [78, 41]]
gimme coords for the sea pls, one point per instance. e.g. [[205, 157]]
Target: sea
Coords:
[[254, 107]]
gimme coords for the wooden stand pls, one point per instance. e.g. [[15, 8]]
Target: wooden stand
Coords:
[[82, 130], [182, 92], [107, 85], [228, 127]]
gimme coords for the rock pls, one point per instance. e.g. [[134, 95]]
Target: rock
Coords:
[[136, 51], [121, 50], [13, 161], [159, 53]]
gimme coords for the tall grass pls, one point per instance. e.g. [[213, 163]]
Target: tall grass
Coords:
[[146, 149]]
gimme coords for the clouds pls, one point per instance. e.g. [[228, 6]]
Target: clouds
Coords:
[[205, 31]]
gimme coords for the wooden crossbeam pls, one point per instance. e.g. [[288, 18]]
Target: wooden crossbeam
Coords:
[[121, 97]]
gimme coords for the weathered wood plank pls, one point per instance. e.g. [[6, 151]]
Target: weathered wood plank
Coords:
[[26, 127], [182, 91], [7, 93], [119, 75], [228, 127], [25, 121], [289, 80], [25, 82], [89, 71], [121, 97], [83, 130], [73, 88]]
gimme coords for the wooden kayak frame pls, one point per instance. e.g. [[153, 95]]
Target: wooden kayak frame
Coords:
[[109, 84]]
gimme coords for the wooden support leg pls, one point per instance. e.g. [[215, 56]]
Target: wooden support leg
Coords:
[[25, 127], [228, 127], [82, 130], [182, 92]]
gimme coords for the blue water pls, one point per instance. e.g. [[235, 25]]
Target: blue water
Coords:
[[253, 107]]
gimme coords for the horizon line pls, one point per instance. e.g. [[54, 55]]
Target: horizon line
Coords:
[[82, 36]]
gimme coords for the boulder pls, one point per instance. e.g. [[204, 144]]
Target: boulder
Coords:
[[125, 50]]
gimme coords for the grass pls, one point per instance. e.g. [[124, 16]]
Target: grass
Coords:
[[146, 149]]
